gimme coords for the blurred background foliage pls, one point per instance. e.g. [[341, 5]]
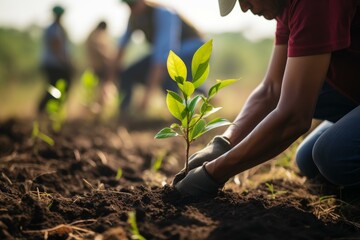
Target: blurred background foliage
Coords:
[[19, 52], [22, 83]]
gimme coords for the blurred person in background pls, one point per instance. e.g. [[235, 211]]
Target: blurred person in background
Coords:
[[313, 73], [164, 30], [100, 51], [56, 60]]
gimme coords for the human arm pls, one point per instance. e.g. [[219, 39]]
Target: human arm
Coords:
[[302, 80], [263, 99]]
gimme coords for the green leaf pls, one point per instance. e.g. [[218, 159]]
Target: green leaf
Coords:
[[174, 125], [46, 138], [212, 111], [134, 228], [200, 64], [204, 70], [213, 90], [184, 121], [89, 80], [52, 106], [175, 105], [205, 107], [61, 85], [192, 105], [193, 102], [166, 133], [35, 130], [197, 130], [187, 88], [119, 173], [219, 85], [218, 122], [194, 120], [176, 68], [36, 133], [157, 161]]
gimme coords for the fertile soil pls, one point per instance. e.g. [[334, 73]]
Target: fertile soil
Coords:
[[75, 190]]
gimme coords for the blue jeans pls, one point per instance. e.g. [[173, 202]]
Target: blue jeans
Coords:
[[333, 148]]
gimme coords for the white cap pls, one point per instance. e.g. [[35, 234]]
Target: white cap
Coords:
[[226, 6]]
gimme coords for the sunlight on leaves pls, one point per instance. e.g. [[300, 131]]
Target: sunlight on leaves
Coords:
[[176, 68], [200, 67], [192, 111]]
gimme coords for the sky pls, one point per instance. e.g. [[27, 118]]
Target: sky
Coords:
[[82, 16]]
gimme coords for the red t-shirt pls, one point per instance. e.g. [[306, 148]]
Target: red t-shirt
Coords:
[[311, 27]]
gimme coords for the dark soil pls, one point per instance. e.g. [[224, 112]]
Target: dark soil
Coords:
[[70, 191]]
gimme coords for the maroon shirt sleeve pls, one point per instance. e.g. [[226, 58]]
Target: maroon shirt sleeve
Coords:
[[311, 27]]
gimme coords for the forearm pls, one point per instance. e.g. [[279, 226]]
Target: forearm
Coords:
[[262, 101], [292, 116], [269, 138]]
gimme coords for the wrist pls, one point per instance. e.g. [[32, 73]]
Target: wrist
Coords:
[[210, 170]]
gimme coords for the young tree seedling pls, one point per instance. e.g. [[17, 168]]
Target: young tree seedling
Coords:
[[101, 98], [37, 134], [89, 83], [134, 228], [191, 111], [119, 173], [272, 191], [157, 161], [55, 107]]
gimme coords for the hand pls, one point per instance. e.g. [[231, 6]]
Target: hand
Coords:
[[198, 183], [215, 148]]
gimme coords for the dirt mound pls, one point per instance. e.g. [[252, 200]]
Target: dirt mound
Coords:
[[85, 186]]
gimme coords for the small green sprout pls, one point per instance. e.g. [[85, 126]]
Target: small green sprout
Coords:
[[327, 198], [89, 82], [119, 173], [190, 110], [272, 191], [55, 107], [101, 98], [50, 204], [37, 134], [157, 161], [284, 160], [134, 228]]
